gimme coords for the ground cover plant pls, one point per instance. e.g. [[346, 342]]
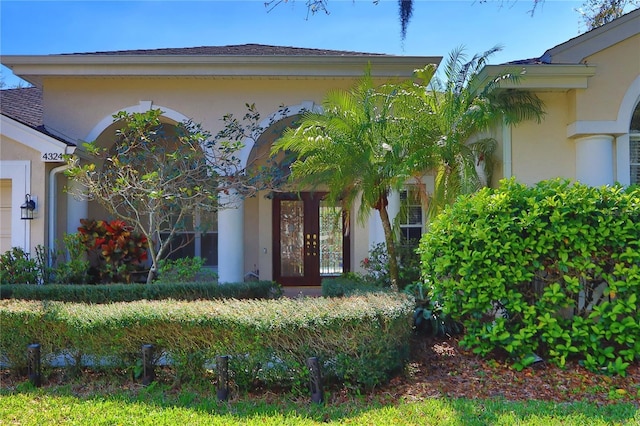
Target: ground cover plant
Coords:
[[552, 270]]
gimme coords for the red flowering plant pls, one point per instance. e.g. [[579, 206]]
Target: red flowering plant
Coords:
[[115, 250]]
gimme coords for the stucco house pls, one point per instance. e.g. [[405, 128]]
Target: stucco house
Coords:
[[590, 86]]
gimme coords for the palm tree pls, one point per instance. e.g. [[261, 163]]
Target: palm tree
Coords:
[[461, 110], [357, 148], [369, 141]]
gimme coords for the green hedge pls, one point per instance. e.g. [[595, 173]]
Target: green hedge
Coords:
[[348, 286], [552, 269], [106, 293], [360, 341]]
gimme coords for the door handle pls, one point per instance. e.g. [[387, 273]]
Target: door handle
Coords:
[[311, 244]]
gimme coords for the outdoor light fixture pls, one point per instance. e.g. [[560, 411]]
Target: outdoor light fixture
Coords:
[[26, 210], [34, 367], [148, 372]]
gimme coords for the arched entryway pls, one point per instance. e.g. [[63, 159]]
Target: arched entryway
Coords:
[[292, 235]]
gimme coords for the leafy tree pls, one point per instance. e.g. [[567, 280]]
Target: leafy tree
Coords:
[[369, 141], [596, 13], [156, 176], [357, 147], [462, 108]]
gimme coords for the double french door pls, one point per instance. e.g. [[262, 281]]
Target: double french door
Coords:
[[310, 241]]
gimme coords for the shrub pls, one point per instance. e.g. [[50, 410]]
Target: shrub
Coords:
[[376, 265], [115, 251], [360, 341], [186, 269], [552, 269], [17, 267], [347, 285], [107, 293]]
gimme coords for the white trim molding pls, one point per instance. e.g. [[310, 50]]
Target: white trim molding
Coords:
[[19, 172], [33, 138]]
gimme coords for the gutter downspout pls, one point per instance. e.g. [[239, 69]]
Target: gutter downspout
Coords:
[[52, 205]]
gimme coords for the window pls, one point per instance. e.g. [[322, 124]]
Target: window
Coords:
[[200, 239], [411, 215]]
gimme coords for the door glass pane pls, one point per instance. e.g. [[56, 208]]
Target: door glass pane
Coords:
[[291, 238], [331, 261]]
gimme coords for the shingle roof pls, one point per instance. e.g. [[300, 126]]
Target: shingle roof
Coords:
[[25, 106], [232, 50]]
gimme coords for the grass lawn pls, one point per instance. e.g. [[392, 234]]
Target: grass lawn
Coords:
[[161, 404]]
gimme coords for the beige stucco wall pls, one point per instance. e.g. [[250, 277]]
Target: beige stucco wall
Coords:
[[74, 106], [545, 151], [542, 151], [617, 67]]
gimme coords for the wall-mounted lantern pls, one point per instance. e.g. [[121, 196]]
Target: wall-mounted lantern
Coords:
[[26, 210]]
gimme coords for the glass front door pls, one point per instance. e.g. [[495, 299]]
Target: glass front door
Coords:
[[309, 239]]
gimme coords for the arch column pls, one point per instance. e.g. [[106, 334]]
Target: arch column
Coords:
[[231, 239], [594, 160]]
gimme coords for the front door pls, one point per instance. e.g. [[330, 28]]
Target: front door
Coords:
[[309, 239]]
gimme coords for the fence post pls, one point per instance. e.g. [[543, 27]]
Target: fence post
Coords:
[[34, 365], [222, 366], [315, 380]]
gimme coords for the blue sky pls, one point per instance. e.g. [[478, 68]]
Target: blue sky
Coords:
[[437, 27]]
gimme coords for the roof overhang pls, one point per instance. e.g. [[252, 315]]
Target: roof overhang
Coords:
[[539, 76], [35, 68], [50, 148], [577, 49]]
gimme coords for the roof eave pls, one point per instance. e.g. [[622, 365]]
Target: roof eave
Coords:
[[539, 76], [577, 49], [35, 68]]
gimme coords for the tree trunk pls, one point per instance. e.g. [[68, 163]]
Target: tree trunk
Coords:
[[391, 246]]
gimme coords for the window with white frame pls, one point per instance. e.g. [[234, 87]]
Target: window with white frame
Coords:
[[411, 216]]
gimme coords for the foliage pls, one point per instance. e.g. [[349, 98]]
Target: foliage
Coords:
[[357, 148], [158, 175], [597, 13], [371, 140], [348, 284], [17, 267], [107, 293], [428, 317], [115, 250], [462, 108], [64, 266], [186, 269], [552, 269], [376, 265], [361, 341]]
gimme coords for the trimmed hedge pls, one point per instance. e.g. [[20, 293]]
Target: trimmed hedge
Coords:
[[552, 269], [107, 293], [360, 341], [348, 286]]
